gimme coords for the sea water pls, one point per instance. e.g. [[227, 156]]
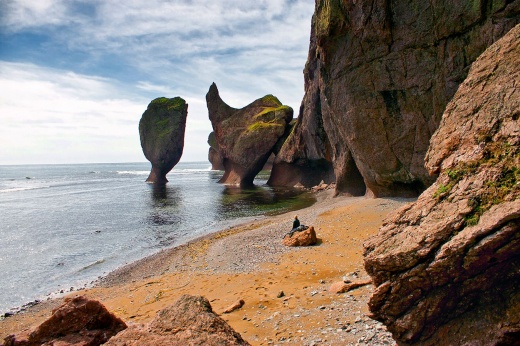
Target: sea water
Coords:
[[63, 226]]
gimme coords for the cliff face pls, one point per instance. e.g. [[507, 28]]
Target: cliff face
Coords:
[[161, 130], [247, 137], [447, 267], [378, 78]]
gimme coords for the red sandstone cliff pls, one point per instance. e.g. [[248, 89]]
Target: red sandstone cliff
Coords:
[[378, 78], [447, 267]]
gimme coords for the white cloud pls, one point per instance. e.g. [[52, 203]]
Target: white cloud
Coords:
[[21, 14], [52, 115], [167, 47]]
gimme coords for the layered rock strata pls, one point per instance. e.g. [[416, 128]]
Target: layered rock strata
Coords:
[[378, 78], [161, 130], [447, 267], [247, 137], [189, 321]]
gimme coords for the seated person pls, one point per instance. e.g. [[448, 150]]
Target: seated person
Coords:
[[297, 227]]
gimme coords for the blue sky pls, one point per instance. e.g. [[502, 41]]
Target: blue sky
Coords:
[[76, 75]]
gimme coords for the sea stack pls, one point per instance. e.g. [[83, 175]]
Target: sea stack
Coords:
[[161, 130], [247, 137]]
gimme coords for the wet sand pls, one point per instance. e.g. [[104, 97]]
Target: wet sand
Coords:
[[248, 262]]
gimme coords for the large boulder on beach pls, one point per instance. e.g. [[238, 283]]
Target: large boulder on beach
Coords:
[[447, 267], [246, 137], [161, 130], [301, 238], [79, 321], [378, 78], [189, 321]]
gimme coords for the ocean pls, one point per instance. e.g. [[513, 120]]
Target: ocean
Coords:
[[64, 226]]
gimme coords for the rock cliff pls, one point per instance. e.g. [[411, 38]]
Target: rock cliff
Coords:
[[247, 137], [447, 267], [161, 130], [378, 78]]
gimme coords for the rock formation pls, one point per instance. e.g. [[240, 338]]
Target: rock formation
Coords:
[[447, 267], [79, 321], [162, 135], [189, 321], [214, 157], [247, 137], [378, 78]]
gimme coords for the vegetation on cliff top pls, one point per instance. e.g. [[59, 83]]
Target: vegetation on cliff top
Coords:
[[176, 103]]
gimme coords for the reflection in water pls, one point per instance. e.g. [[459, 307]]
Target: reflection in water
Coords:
[[260, 200], [165, 203]]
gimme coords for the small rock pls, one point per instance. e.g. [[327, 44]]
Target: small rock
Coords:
[[235, 306]]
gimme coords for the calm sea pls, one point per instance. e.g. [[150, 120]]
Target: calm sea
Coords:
[[63, 226]]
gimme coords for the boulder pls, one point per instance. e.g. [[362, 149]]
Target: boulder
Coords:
[[303, 238], [378, 78], [247, 137], [447, 267], [161, 130], [189, 321], [79, 321]]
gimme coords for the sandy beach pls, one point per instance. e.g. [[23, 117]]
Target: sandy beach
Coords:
[[248, 262]]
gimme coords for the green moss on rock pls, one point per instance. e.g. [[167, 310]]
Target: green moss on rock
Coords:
[[266, 110], [270, 99], [176, 103], [261, 125], [329, 15], [503, 186]]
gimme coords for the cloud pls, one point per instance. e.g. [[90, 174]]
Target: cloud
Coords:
[[47, 114], [99, 62]]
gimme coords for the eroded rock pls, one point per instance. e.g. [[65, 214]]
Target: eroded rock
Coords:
[[247, 137], [189, 321], [79, 321], [161, 130], [378, 77], [447, 267]]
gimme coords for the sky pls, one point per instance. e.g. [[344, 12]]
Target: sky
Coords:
[[76, 75]]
